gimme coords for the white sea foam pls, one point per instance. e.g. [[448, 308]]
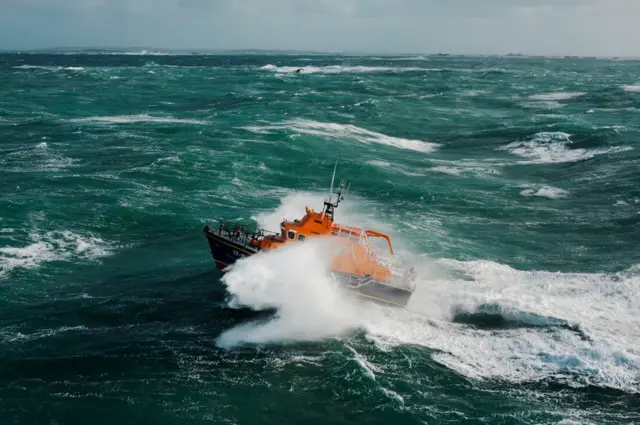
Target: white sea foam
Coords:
[[336, 69], [446, 170], [555, 96], [41, 157], [52, 246], [292, 279], [554, 147], [395, 168], [461, 167], [473, 93], [579, 327], [132, 119], [50, 68], [579, 324], [345, 131], [45, 333], [378, 163], [545, 192], [635, 88]]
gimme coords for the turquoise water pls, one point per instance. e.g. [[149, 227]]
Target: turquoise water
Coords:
[[512, 184]]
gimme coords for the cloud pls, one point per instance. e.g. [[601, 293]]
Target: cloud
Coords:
[[587, 27]]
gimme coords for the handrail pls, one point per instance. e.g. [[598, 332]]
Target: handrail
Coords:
[[240, 233], [381, 235]]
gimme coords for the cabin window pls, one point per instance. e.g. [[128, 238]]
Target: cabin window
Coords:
[[301, 237], [291, 234]]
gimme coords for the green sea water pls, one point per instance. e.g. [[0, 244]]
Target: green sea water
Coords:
[[511, 183]]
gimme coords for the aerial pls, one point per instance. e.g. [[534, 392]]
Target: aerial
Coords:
[[320, 212]]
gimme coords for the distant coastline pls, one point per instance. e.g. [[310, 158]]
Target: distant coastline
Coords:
[[155, 51]]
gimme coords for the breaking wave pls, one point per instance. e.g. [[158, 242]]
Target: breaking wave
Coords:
[[52, 246], [495, 322], [50, 68], [482, 319], [545, 192], [554, 147], [635, 88], [345, 131], [132, 119], [293, 280], [555, 96], [336, 69]]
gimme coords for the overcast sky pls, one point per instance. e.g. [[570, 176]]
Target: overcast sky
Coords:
[[579, 27]]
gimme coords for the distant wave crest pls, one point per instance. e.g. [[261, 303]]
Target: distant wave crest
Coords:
[[555, 96], [52, 246], [635, 88], [131, 119], [554, 147], [336, 69], [348, 131]]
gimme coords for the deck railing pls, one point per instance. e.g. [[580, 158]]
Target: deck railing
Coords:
[[241, 233]]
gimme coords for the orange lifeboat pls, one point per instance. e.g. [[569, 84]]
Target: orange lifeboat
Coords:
[[356, 267]]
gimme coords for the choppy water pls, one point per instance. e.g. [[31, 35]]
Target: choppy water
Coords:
[[513, 184]]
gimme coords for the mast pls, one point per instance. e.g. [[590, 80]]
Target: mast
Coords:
[[328, 205], [332, 179]]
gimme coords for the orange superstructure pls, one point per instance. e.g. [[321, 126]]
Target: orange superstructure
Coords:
[[355, 257]]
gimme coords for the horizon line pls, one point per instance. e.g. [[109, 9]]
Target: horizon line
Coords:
[[163, 50]]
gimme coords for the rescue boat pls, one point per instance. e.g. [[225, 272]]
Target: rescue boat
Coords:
[[356, 266]]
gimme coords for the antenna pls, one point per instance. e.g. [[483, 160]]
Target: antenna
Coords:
[[332, 179]]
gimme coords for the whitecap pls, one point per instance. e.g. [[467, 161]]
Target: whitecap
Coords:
[[345, 131], [50, 68], [545, 192], [132, 119], [378, 163], [581, 325], [52, 246], [446, 170], [554, 147], [635, 88], [555, 96], [281, 279], [335, 69]]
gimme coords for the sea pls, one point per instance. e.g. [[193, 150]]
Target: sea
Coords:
[[510, 183]]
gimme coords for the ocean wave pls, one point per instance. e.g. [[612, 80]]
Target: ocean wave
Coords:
[[336, 69], [545, 192], [635, 88], [555, 96], [554, 147], [132, 119], [40, 157], [278, 280], [483, 319], [19, 337], [446, 170], [345, 131], [378, 163], [52, 246], [577, 325], [50, 68], [460, 167]]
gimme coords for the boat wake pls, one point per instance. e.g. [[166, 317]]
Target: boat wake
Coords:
[[483, 319], [489, 321]]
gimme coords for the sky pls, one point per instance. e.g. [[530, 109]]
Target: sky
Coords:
[[549, 27]]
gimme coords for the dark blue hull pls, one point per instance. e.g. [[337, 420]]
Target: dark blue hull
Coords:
[[226, 251]]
